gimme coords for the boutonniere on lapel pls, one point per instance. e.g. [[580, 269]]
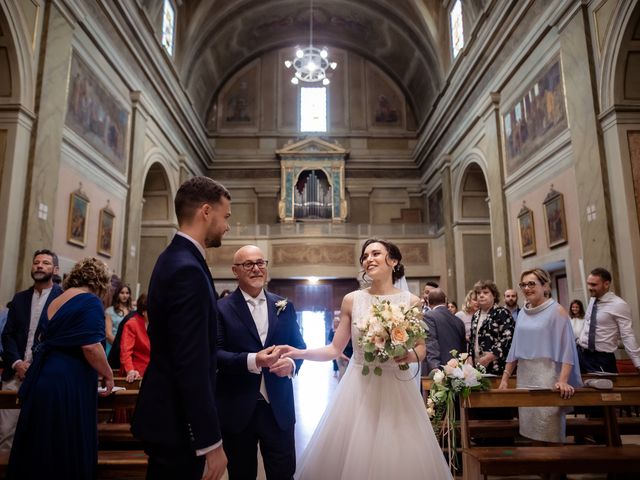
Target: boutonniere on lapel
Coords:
[[281, 305]]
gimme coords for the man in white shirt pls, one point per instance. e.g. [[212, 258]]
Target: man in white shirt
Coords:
[[254, 392], [607, 321], [26, 310]]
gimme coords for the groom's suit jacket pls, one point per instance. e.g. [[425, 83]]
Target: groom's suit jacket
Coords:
[[176, 404], [238, 389]]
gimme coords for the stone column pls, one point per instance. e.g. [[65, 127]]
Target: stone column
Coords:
[[44, 165], [586, 141], [15, 135], [449, 241], [495, 190], [133, 212]]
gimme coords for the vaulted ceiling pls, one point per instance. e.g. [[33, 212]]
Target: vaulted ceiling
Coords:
[[405, 38]]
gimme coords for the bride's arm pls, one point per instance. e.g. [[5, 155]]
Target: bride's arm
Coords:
[[336, 347]]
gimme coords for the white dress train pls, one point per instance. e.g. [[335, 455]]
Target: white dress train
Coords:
[[374, 428]]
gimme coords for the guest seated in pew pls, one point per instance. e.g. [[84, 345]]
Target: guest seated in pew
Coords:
[[57, 434], [135, 349], [545, 352]]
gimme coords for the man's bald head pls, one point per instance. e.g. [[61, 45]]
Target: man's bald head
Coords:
[[243, 252], [437, 297]]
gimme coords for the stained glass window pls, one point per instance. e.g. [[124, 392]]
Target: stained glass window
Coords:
[[313, 109], [457, 34], [168, 26]]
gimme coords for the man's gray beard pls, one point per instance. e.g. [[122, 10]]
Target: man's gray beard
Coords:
[[44, 277]]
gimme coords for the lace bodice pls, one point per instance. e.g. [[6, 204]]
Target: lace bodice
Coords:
[[362, 301]]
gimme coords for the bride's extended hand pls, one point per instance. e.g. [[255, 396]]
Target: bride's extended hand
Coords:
[[287, 351]]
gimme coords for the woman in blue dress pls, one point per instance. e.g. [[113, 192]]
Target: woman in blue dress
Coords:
[[56, 435], [544, 350]]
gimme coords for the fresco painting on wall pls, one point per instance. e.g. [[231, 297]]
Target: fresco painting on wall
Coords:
[[386, 108], [78, 218], [105, 231], [238, 103], [527, 232], [95, 115], [435, 209], [555, 219], [538, 116]]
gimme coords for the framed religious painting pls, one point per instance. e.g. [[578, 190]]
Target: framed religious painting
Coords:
[[527, 232], [555, 220], [78, 218], [105, 231]]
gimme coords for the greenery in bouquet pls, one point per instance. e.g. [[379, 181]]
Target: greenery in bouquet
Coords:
[[456, 379], [387, 332]]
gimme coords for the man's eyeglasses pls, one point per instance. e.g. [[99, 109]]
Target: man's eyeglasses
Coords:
[[524, 285], [248, 266]]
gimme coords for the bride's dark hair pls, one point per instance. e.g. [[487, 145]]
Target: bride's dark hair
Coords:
[[393, 253]]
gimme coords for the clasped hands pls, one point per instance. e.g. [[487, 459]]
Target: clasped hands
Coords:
[[273, 359]]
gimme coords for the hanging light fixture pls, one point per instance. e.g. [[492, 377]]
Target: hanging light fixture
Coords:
[[310, 63]]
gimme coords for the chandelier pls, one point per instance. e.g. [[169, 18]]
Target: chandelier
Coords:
[[310, 63]]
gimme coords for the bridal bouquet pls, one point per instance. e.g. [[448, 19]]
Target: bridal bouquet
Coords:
[[456, 378], [389, 331]]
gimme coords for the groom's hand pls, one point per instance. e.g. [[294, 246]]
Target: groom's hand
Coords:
[[267, 357], [216, 464], [283, 367]]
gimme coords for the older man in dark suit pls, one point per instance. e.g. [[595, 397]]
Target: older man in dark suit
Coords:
[[255, 394], [176, 415], [26, 311], [446, 332]]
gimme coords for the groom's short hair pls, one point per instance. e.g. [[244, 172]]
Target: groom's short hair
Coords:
[[195, 192]]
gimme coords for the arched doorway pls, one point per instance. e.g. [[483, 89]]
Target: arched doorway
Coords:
[[16, 121], [620, 123], [472, 229], [158, 225]]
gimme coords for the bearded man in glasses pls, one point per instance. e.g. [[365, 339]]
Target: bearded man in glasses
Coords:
[[254, 391]]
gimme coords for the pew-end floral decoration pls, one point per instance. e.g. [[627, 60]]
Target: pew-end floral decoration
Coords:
[[456, 379]]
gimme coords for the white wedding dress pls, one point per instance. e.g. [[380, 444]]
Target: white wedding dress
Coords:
[[374, 428]]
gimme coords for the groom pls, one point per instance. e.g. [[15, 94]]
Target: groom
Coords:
[[175, 416], [254, 394]]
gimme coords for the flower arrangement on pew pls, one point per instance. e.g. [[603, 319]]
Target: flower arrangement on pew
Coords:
[[389, 331], [455, 379]]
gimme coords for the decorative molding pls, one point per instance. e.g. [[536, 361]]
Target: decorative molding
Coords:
[[314, 254]]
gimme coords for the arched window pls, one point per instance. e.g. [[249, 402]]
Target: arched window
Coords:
[[168, 26], [313, 109], [457, 34]]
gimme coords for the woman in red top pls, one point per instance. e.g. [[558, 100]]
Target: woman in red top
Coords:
[[134, 346]]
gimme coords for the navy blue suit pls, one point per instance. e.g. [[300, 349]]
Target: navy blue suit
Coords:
[[16, 330], [176, 412], [246, 418]]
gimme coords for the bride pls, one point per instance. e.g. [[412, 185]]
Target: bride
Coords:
[[375, 427]]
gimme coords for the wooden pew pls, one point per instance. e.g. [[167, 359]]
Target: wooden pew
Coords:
[[619, 380], [478, 462], [122, 382], [123, 459], [119, 399], [112, 465]]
